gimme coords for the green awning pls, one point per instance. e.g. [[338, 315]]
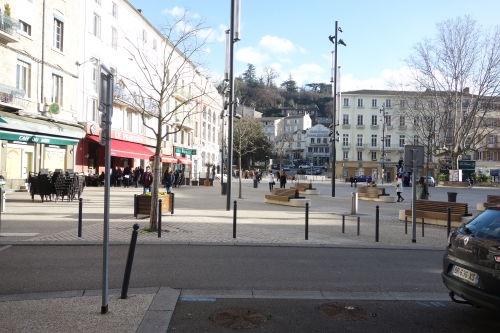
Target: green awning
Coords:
[[45, 139]]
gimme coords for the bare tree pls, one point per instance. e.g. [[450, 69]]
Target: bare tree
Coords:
[[169, 85], [269, 75], [248, 137], [455, 77]]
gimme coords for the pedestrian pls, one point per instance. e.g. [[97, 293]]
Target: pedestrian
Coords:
[[399, 188], [355, 182], [422, 191], [126, 176], [351, 179], [137, 177], [283, 179], [271, 180], [119, 176], [147, 180], [169, 179]]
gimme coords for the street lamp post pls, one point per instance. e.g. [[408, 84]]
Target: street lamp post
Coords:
[[382, 110], [234, 36], [223, 141], [333, 80]]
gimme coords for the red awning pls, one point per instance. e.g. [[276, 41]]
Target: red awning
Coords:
[[127, 149], [184, 160], [165, 159]]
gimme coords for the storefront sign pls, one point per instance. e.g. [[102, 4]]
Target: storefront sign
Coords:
[[180, 150], [54, 108], [12, 136]]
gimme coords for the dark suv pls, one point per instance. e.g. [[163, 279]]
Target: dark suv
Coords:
[[471, 264]]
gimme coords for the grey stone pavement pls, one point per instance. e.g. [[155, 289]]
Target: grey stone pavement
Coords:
[[200, 217]]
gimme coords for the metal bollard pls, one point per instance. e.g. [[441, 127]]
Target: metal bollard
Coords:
[[406, 225], [173, 197], [423, 223], [343, 223], [234, 218], [130, 259], [358, 223], [80, 205], [135, 205], [307, 220], [448, 221], [159, 218], [377, 221]]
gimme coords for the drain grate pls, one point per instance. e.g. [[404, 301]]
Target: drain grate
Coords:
[[343, 312], [238, 319]]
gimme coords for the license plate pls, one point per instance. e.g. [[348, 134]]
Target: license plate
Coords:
[[465, 274]]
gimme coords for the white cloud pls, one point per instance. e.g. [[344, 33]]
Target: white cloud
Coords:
[[277, 45], [176, 11], [252, 56]]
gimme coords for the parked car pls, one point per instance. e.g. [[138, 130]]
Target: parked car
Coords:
[[430, 181], [471, 263], [314, 171], [363, 179], [301, 171]]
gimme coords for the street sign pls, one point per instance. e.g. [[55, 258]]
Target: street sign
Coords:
[[414, 153]]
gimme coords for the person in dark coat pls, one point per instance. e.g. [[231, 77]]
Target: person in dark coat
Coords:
[[147, 180], [283, 179], [126, 176], [119, 176], [169, 179], [351, 179]]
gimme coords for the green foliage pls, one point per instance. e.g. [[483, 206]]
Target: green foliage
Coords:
[[444, 177], [7, 9], [148, 194]]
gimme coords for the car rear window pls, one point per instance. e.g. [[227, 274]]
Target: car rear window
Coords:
[[485, 225]]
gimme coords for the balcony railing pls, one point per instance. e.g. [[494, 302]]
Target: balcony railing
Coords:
[[11, 95], [8, 25], [120, 94]]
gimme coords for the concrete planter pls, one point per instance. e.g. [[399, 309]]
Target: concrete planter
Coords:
[[454, 184]]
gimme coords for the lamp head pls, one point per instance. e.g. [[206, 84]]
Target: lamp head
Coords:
[[332, 39], [341, 42], [340, 29]]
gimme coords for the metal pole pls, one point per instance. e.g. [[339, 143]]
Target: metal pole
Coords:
[[130, 259], [135, 205], [307, 220], [414, 197], [159, 218], [80, 206], [383, 142], [222, 159], [334, 152], [234, 218], [230, 107], [377, 222], [406, 225], [448, 221], [173, 197], [423, 223], [358, 223], [343, 223]]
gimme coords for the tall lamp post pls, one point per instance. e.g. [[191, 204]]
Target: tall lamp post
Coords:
[[232, 36], [223, 142], [382, 110], [333, 80]]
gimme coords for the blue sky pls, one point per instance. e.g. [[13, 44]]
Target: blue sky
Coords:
[[292, 36]]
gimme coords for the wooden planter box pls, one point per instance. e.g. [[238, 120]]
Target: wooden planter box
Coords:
[[143, 204]]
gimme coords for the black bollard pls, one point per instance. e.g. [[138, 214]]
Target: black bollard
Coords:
[[159, 218], [234, 218], [307, 220], [135, 205], [80, 205], [130, 259], [358, 223], [377, 221], [343, 223], [423, 223], [172, 203], [448, 221], [406, 225]]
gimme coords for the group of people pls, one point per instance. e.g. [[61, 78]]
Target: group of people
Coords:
[[280, 176], [422, 189]]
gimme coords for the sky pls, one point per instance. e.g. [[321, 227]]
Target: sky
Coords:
[[292, 36]]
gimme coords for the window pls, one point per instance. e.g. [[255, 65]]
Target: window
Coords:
[[154, 44], [388, 120], [94, 110], [374, 120], [114, 10], [144, 36], [295, 121], [95, 76], [167, 135], [182, 137], [360, 155], [189, 139], [345, 155], [57, 38], [96, 26], [401, 141], [491, 156], [387, 140], [345, 119], [479, 155], [175, 136], [402, 104], [401, 120], [114, 38], [359, 142], [415, 139], [374, 155], [360, 119], [387, 103], [374, 140], [25, 27], [490, 139], [345, 140], [374, 103], [346, 101], [360, 102], [23, 74], [318, 140], [312, 140], [57, 89]]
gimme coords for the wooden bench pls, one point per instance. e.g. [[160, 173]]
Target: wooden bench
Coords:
[[438, 210], [288, 197], [372, 193], [492, 200]]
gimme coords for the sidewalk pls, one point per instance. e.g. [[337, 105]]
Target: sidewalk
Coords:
[[200, 217]]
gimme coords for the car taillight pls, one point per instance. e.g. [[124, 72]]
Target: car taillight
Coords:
[[497, 258], [448, 241]]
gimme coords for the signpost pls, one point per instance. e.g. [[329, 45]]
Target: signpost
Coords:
[[413, 162]]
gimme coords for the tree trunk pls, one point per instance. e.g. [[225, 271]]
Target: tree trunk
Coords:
[[153, 214], [239, 180]]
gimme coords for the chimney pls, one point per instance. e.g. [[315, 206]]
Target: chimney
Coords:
[[139, 10], [465, 90]]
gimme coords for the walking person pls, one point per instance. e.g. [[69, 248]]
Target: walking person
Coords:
[[271, 180], [169, 179], [283, 179], [351, 179], [137, 177], [147, 180], [399, 188]]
